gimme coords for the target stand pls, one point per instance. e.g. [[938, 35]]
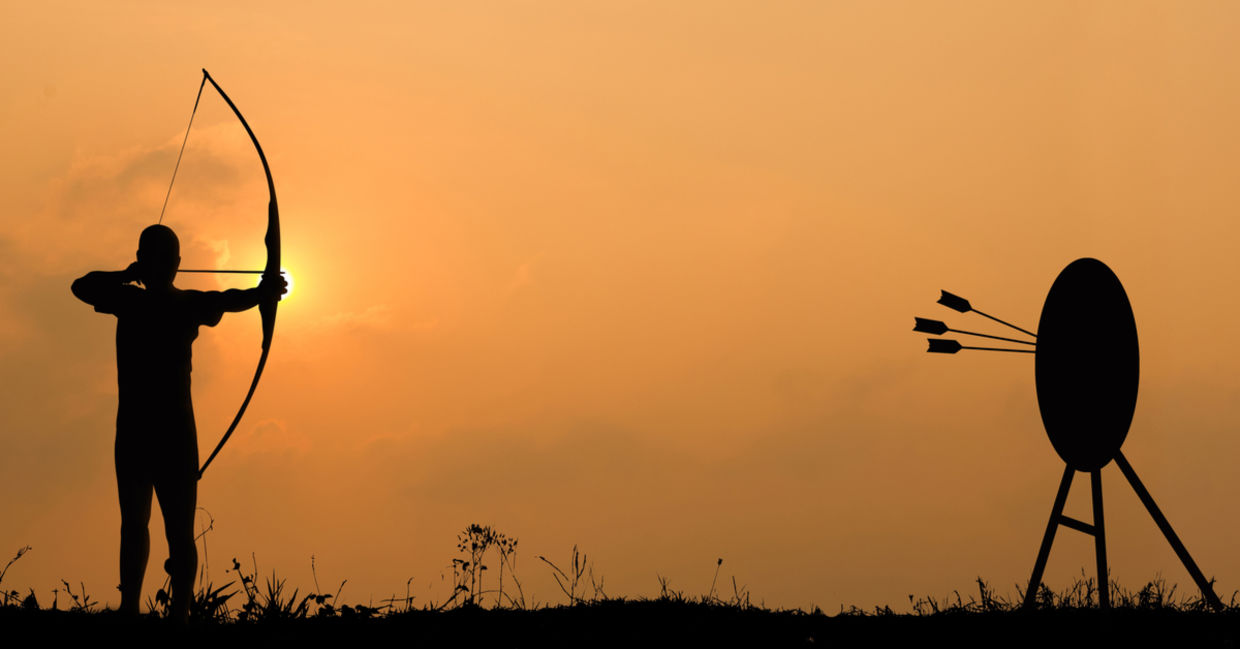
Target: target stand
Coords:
[[1086, 366], [1098, 531]]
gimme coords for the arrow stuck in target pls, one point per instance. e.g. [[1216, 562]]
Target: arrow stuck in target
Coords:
[[962, 305], [949, 346], [938, 328]]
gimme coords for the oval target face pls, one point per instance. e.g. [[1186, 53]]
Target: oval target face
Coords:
[[1087, 364]]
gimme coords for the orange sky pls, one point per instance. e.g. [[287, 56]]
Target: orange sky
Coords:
[[636, 276]]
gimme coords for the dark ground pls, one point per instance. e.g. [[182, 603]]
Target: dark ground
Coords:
[[649, 624]]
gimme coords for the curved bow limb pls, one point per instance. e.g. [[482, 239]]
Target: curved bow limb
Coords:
[[272, 271]]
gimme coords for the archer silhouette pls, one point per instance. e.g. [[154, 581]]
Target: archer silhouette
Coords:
[[156, 439]]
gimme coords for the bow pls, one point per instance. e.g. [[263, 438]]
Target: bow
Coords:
[[272, 270]]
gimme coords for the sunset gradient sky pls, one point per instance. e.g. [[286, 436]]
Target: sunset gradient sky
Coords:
[[635, 276]]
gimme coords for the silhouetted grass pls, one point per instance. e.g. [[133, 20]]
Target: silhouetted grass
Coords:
[[494, 611], [10, 597]]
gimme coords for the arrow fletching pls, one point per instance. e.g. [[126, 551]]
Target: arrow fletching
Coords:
[[955, 302], [943, 346], [927, 326]]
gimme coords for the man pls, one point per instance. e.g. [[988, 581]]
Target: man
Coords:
[[156, 440]]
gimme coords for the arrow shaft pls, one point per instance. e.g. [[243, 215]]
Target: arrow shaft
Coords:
[[247, 272], [1006, 324], [974, 333], [999, 349]]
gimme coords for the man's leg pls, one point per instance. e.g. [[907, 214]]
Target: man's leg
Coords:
[[178, 501], [135, 499]]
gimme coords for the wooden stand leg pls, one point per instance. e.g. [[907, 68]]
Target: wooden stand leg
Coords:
[[1100, 542], [1044, 552], [1207, 590]]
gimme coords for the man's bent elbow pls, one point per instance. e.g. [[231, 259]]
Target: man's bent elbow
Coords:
[[86, 289], [78, 288]]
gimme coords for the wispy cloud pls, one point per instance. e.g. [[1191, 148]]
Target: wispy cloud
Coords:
[[98, 205], [374, 317]]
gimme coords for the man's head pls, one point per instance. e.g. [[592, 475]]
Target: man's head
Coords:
[[159, 255]]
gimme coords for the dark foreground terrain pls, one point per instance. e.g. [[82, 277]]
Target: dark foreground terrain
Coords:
[[650, 623]]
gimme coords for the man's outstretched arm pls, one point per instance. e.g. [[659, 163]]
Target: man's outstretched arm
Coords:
[[242, 299]]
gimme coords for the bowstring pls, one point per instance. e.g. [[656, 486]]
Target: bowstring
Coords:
[[182, 151]]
